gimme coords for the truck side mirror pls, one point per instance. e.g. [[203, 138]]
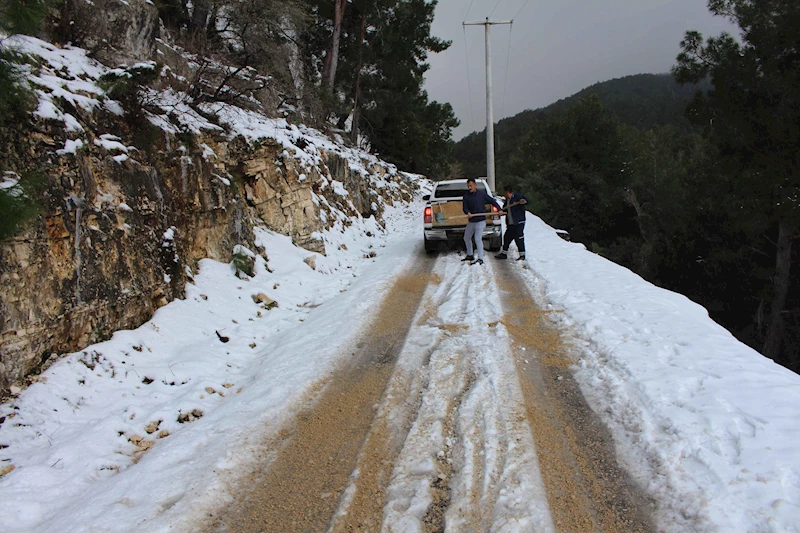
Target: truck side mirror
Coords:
[[426, 197]]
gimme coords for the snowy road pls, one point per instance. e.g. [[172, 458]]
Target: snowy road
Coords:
[[449, 418]]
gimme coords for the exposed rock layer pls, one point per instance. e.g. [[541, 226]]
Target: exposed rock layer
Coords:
[[119, 237], [126, 216]]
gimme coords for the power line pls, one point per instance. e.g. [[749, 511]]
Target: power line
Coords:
[[468, 10], [520, 10], [495, 8]]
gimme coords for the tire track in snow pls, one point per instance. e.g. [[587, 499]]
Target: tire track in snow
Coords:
[[297, 488], [587, 490], [439, 438], [468, 463], [434, 518], [361, 506]]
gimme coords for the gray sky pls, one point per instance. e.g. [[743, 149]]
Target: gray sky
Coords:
[[557, 48]]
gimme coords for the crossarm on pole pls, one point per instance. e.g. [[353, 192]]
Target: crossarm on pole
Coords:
[[485, 22]]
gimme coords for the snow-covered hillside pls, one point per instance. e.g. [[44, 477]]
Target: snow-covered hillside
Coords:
[[139, 184]]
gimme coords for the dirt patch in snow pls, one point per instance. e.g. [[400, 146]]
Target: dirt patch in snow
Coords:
[[299, 488], [434, 519], [587, 490], [362, 509]]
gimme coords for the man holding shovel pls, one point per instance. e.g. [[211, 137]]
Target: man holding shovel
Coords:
[[474, 206], [515, 223]]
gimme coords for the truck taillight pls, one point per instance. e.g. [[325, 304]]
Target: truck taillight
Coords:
[[428, 215], [495, 210]]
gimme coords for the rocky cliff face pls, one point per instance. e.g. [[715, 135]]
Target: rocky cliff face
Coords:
[[137, 189], [129, 207], [114, 31]]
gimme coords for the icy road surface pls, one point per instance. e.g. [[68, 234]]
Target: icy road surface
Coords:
[[434, 425]]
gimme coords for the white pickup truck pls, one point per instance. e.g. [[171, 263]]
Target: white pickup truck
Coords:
[[445, 220]]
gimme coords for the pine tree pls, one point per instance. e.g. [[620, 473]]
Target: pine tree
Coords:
[[23, 16], [753, 115], [571, 164], [17, 202], [380, 71], [17, 17], [397, 117]]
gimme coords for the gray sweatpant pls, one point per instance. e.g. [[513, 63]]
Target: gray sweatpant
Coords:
[[474, 229]]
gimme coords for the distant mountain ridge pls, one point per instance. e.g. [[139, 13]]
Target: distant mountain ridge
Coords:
[[641, 100]]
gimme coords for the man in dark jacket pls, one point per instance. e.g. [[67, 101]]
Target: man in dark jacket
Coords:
[[474, 206], [514, 206]]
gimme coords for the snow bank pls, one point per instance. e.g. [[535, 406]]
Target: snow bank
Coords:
[[708, 426]]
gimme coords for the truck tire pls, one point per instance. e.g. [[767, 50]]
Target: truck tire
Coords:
[[495, 243], [430, 246]]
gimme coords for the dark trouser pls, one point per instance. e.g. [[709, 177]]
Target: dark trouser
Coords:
[[515, 232]]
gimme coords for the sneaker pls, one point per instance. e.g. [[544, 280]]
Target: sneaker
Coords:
[[477, 262], [521, 258], [501, 255], [468, 258]]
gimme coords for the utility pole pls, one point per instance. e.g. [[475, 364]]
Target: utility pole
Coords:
[[489, 112]]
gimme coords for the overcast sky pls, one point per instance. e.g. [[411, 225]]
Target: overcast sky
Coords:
[[557, 48]]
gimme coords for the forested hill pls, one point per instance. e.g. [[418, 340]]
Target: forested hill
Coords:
[[641, 101], [706, 205]]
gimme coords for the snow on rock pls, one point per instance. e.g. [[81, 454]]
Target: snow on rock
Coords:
[[708, 426], [110, 142], [69, 74], [10, 183], [64, 73], [321, 164], [71, 146], [175, 104], [310, 147]]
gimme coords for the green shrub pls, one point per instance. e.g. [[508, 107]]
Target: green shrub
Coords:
[[127, 85], [243, 262], [17, 205], [17, 97]]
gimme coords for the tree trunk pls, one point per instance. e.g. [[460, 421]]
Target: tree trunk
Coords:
[[354, 131], [633, 200], [199, 21], [211, 25], [332, 61], [783, 263]]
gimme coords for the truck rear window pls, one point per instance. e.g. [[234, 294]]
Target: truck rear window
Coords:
[[454, 190]]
